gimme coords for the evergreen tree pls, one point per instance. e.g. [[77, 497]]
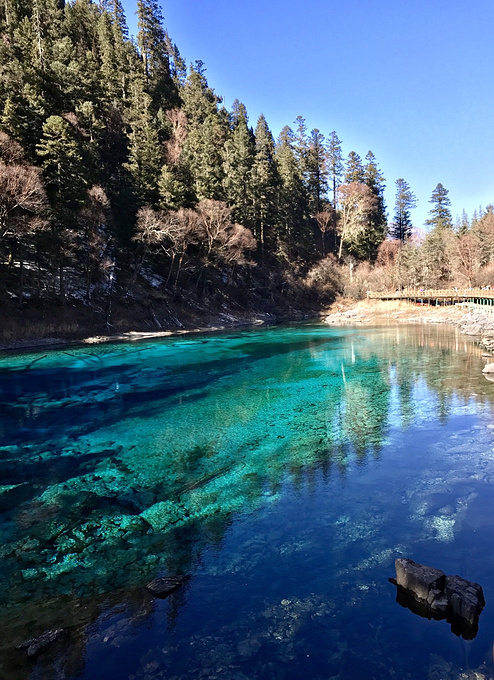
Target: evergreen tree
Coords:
[[292, 198], [440, 214], [65, 186], [266, 182], [154, 44], [462, 224], [436, 265], [62, 165], [315, 171], [377, 222], [145, 154], [238, 160], [354, 169], [300, 145], [401, 227], [207, 134], [334, 164]]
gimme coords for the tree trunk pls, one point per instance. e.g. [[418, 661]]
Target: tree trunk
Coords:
[[61, 274], [340, 248], [178, 270], [170, 271]]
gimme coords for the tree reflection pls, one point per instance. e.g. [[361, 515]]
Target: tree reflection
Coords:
[[101, 509]]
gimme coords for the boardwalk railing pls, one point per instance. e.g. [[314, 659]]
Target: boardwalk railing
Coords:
[[428, 294], [474, 298]]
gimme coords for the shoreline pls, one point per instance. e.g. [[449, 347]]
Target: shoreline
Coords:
[[346, 312], [135, 336], [343, 312]]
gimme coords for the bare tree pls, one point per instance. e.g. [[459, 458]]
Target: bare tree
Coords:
[[233, 246], [225, 243], [183, 232], [466, 256], [171, 232], [151, 233], [215, 218], [324, 220], [93, 218], [10, 151], [22, 205], [22, 197], [177, 118], [387, 252], [356, 201]]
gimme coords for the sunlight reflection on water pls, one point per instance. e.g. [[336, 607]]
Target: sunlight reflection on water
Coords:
[[283, 469]]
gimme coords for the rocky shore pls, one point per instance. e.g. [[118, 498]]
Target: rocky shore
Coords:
[[375, 312]]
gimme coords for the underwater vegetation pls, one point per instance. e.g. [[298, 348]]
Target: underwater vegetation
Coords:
[[299, 460]]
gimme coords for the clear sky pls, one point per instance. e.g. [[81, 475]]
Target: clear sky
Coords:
[[412, 81]]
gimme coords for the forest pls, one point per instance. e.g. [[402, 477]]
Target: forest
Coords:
[[125, 181]]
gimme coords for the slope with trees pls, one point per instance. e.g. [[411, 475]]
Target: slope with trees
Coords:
[[125, 181]]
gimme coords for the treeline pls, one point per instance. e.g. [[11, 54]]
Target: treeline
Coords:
[[459, 253], [118, 163], [116, 158]]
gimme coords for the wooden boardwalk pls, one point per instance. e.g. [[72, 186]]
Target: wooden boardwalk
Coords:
[[475, 297]]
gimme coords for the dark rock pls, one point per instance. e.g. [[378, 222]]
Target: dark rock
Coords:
[[165, 585], [422, 581], [466, 598], [438, 602], [419, 607], [38, 645], [428, 592]]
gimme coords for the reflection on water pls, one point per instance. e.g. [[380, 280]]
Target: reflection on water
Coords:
[[282, 469]]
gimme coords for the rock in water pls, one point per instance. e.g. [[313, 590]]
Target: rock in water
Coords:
[[165, 585], [418, 579], [488, 368], [440, 596], [465, 597], [39, 644]]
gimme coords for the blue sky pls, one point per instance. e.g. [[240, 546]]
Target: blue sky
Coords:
[[411, 81]]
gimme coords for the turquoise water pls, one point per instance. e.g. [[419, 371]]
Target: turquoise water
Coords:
[[282, 470]]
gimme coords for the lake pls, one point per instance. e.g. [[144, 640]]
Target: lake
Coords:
[[278, 472]]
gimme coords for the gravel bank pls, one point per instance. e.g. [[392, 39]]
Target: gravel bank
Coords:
[[374, 312]]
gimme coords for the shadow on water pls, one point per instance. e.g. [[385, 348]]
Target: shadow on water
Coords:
[[118, 468]]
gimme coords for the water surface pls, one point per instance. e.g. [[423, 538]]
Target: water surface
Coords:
[[282, 470]]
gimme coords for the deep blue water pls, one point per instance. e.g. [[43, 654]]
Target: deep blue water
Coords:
[[281, 470]]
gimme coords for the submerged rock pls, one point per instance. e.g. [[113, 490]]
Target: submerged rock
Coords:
[[38, 645], [165, 585], [430, 593]]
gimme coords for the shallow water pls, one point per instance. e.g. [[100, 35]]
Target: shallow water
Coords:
[[282, 470]]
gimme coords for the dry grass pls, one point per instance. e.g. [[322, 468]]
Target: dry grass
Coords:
[[385, 305]]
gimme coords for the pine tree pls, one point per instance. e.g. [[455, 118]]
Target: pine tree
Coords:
[[154, 44], [334, 164], [238, 159], [436, 265], [207, 133], [62, 165], [377, 222], [315, 171], [354, 169], [462, 224], [265, 180], [401, 227], [65, 185], [300, 145], [440, 214], [145, 153], [292, 197]]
